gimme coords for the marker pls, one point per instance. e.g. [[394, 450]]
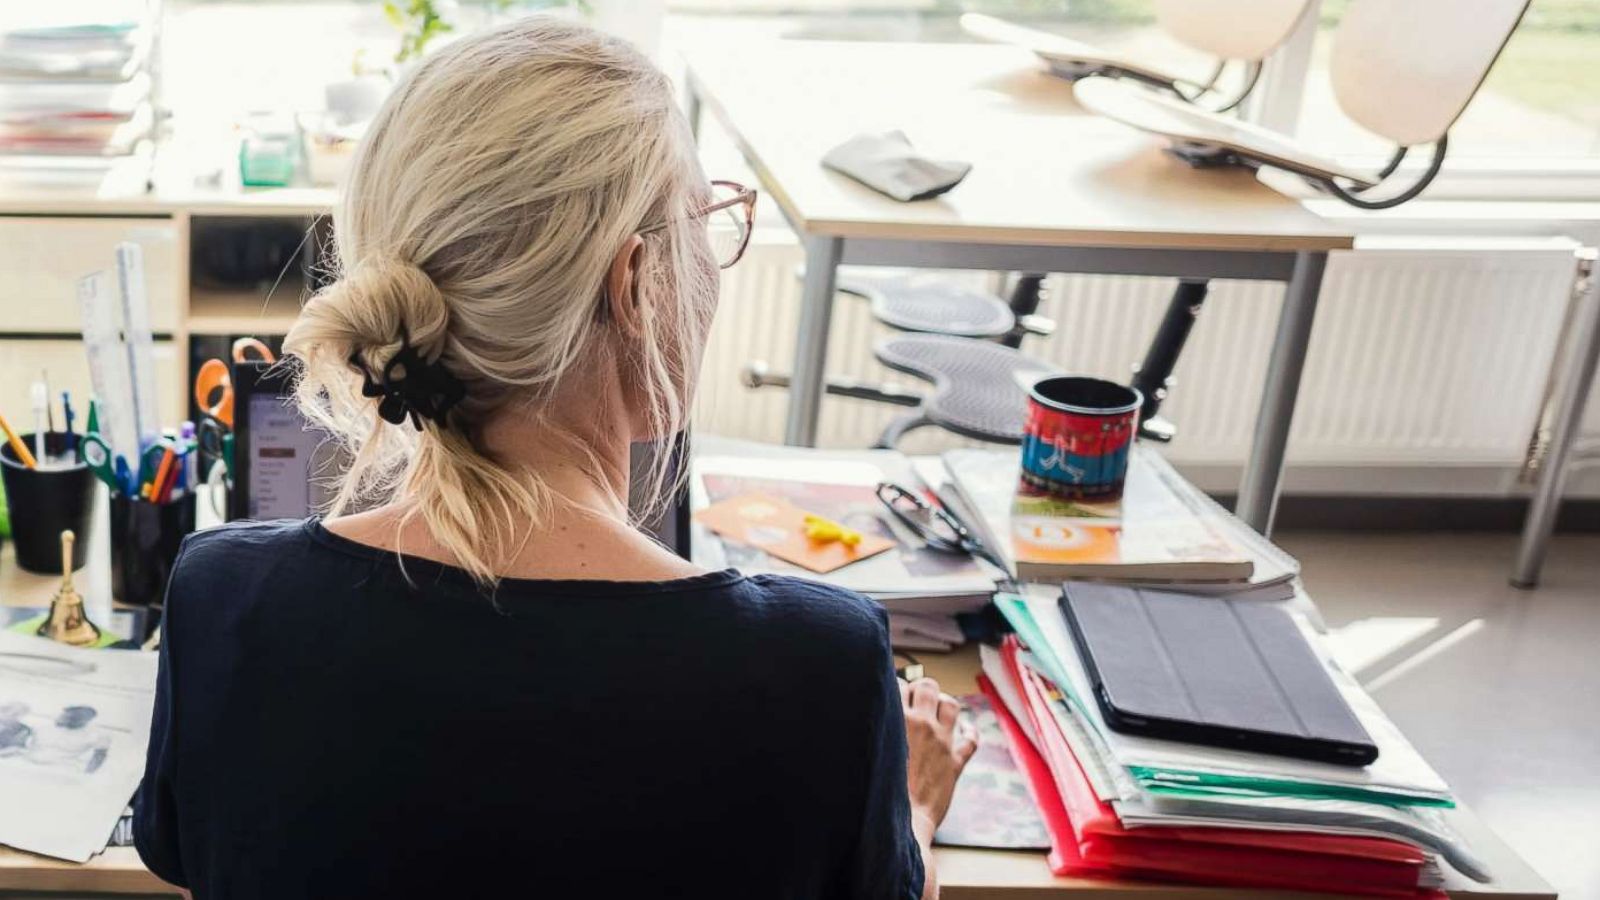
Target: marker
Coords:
[[159, 483], [17, 446], [186, 438]]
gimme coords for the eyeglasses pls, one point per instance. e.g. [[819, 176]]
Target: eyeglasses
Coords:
[[937, 528], [730, 217]]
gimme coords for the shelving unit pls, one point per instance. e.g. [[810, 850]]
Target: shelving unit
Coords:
[[57, 234], [220, 313]]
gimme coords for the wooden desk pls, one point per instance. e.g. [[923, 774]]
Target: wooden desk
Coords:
[[117, 870], [1052, 189], [964, 874]]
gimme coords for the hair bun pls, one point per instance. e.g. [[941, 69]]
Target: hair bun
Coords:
[[389, 302]]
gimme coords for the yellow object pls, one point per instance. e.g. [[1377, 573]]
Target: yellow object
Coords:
[[24, 455], [827, 531]]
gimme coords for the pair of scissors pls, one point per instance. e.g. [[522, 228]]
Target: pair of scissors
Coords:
[[213, 384], [213, 391], [96, 454], [216, 443]]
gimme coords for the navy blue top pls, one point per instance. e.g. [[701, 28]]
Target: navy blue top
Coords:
[[324, 729]]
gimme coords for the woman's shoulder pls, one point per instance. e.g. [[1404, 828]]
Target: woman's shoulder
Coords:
[[812, 608], [227, 546]]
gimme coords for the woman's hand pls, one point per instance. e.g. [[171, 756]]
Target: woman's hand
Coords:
[[937, 751]]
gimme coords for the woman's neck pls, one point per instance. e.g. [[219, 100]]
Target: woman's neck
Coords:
[[579, 449], [584, 464]]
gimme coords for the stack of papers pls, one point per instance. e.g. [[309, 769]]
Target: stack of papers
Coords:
[[1379, 829], [922, 588], [74, 726], [75, 80]]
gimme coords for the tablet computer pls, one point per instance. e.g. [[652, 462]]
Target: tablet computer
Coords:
[[1211, 670]]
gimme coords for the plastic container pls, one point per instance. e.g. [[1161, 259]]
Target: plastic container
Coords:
[[41, 503]]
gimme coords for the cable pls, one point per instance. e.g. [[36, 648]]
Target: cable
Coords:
[[1252, 75], [1350, 195]]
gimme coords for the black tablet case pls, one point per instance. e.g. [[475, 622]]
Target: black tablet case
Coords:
[[1209, 670]]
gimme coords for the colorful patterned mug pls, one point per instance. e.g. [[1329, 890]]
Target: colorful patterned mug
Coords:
[[1076, 440]]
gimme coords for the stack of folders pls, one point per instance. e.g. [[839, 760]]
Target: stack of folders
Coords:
[[1119, 801], [76, 83], [923, 589]]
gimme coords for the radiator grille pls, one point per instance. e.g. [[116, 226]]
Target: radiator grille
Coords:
[[1419, 355]]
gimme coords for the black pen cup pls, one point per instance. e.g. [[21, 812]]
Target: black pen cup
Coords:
[[46, 501], [144, 546]]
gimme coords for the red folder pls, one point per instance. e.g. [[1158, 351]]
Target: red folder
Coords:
[[1088, 838]]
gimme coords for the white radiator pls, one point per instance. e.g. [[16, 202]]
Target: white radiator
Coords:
[[1425, 372]]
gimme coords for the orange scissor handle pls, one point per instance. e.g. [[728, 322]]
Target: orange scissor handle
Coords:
[[243, 347], [213, 390]]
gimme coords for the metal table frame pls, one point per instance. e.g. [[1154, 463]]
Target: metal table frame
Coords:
[[1574, 376], [1301, 271]]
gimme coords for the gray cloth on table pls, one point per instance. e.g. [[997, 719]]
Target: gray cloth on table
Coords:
[[887, 163]]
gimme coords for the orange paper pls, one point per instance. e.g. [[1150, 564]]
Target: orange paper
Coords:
[[778, 527]]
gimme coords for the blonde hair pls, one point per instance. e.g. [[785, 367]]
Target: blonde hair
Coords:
[[484, 208]]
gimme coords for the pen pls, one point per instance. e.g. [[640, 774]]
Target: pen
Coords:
[[49, 414], [125, 476], [17, 446], [41, 417], [66, 414]]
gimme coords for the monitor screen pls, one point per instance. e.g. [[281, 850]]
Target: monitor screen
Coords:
[[291, 465]]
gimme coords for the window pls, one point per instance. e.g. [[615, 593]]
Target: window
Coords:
[[1532, 131], [1540, 102]]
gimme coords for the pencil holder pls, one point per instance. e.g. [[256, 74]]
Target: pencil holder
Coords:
[[46, 501], [144, 546]]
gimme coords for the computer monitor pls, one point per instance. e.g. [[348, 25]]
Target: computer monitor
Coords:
[[283, 467]]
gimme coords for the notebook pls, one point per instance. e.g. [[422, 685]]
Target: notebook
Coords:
[[1207, 670]]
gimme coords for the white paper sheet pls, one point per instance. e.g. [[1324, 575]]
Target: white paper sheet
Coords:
[[74, 727]]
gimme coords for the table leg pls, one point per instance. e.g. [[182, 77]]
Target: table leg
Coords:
[[1577, 378], [811, 340], [1258, 491]]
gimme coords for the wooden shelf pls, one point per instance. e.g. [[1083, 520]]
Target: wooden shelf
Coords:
[[252, 312]]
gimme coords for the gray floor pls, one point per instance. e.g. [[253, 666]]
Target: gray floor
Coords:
[[1501, 693]]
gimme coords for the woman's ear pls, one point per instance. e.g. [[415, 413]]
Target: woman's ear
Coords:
[[623, 303]]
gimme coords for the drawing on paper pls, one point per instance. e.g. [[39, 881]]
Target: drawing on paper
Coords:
[[66, 740]]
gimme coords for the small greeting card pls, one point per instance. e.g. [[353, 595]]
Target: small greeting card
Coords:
[[778, 527]]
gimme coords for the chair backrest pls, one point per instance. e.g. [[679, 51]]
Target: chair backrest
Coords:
[[1405, 69], [1247, 30]]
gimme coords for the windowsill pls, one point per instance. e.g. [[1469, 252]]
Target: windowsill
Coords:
[[1559, 208]]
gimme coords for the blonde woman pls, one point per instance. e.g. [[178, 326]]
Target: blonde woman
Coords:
[[488, 683]]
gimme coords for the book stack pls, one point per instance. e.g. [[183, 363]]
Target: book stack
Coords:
[[1118, 803], [76, 84], [924, 590], [1162, 532]]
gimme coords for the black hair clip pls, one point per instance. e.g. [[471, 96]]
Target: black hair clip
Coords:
[[411, 386]]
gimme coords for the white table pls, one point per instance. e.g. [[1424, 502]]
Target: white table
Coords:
[[1052, 190]]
